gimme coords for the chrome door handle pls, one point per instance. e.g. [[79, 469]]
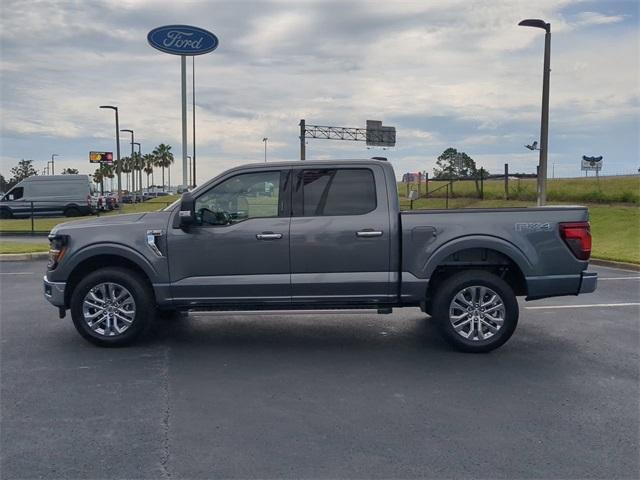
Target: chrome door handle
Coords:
[[369, 233], [269, 236]]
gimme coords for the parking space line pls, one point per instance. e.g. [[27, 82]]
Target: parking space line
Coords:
[[619, 278], [16, 273], [594, 305]]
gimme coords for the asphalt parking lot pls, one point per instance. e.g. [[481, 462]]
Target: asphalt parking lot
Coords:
[[342, 395]]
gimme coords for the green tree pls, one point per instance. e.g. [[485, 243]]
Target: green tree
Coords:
[[125, 167], [164, 159], [70, 171], [4, 185], [452, 165], [98, 177], [148, 160], [23, 170]]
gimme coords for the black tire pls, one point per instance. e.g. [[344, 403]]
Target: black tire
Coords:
[[5, 214], [139, 290], [456, 283], [72, 212]]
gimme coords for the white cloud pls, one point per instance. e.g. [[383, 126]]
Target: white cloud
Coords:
[[443, 72]]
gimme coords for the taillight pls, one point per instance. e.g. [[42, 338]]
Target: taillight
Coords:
[[577, 236]]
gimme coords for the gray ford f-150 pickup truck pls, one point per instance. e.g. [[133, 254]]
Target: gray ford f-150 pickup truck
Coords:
[[316, 234]]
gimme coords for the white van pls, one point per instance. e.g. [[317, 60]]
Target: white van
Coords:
[[51, 195]]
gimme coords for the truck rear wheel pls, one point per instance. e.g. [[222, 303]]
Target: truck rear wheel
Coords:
[[112, 307], [476, 311]]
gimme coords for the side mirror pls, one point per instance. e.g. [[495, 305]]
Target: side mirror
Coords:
[[187, 214]]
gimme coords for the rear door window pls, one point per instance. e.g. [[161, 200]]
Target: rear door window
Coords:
[[332, 192]]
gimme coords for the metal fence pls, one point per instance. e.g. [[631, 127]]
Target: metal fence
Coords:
[[39, 217]]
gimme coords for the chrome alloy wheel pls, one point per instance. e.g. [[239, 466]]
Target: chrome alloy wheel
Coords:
[[109, 309], [477, 313]]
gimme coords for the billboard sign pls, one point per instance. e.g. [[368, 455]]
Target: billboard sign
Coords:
[[591, 163], [182, 40], [379, 135], [101, 157]]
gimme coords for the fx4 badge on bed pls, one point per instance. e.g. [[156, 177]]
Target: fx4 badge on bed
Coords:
[[533, 227]]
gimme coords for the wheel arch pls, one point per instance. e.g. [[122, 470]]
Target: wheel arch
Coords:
[[95, 258], [479, 253]]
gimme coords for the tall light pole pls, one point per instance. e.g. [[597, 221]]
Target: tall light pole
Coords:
[[189, 159], [265, 148], [193, 108], [118, 164], [53, 155], [544, 121], [133, 186]]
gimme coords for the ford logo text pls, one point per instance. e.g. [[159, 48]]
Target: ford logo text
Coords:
[[182, 40]]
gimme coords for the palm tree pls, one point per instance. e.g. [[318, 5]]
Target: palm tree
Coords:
[[126, 168], [148, 161], [107, 172], [164, 159], [98, 177], [137, 166]]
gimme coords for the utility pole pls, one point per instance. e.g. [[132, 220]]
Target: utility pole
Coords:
[[265, 148], [53, 170], [303, 154], [544, 121]]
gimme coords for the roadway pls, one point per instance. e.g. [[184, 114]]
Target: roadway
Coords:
[[340, 395]]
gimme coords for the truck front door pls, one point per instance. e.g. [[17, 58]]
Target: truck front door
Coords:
[[238, 250], [340, 238]]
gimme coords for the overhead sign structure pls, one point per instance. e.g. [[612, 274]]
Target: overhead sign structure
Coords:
[[186, 41], [379, 135], [591, 163], [101, 157], [375, 134]]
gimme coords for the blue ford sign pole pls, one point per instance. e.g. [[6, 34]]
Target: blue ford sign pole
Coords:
[[183, 40]]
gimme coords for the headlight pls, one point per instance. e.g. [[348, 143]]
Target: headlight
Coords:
[[57, 248]]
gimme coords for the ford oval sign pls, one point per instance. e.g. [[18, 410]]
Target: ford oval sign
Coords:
[[182, 40]]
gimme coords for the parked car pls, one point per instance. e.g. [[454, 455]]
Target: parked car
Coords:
[[68, 195], [316, 235]]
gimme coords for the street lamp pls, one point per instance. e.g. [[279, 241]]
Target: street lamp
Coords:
[[544, 122], [133, 186], [265, 148], [118, 165], [53, 155]]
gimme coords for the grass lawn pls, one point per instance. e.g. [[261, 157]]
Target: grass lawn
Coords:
[[623, 189], [17, 247]]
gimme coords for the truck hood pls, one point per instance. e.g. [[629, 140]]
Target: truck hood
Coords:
[[109, 222]]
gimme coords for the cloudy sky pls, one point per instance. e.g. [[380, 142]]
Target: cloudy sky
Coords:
[[445, 73]]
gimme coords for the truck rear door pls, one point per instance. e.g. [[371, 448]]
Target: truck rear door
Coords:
[[339, 237]]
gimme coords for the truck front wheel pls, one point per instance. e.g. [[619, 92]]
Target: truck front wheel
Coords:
[[476, 311], [112, 307]]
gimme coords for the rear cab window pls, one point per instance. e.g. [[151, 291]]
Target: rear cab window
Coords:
[[334, 192]]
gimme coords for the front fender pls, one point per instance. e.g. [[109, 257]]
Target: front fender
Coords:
[[508, 249], [70, 263]]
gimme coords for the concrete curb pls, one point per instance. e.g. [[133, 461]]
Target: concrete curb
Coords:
[[610, 263], [21, 257]]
